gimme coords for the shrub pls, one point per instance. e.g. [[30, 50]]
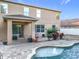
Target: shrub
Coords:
[[50, 31]]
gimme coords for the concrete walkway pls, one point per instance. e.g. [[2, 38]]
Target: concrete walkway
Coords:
[[21, 51]]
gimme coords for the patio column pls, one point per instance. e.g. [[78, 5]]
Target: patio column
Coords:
[[9, 31], [33, 30]]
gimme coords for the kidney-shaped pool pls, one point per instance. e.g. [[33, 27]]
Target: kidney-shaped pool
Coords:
[[57, 53]]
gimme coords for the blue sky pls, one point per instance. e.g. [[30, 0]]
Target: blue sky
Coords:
[[69, 8]]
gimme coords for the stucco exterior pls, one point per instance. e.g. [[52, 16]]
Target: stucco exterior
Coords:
[[48, 18]]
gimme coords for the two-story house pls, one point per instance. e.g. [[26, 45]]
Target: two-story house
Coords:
[[23, 20]]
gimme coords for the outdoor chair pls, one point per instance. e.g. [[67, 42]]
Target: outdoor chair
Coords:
[[55, 35], [61, 35]]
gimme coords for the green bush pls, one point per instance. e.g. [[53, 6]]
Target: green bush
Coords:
[[50, 31]]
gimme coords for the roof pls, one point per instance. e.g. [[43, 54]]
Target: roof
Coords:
[[19, 17], [71, 22], [30, 5]]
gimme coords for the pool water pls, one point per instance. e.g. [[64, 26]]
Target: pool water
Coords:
[[48, 52], [67, 53]]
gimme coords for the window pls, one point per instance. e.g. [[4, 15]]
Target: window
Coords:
[[57, 15], [38, 13], [26, 11], [4, 8], [39, 28]]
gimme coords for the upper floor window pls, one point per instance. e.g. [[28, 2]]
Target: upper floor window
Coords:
[[4, 8], [39, 28], [38, 13], [26, 11], [57, 15]]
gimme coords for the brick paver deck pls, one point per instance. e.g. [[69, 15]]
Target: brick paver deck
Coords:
[[21, 51]]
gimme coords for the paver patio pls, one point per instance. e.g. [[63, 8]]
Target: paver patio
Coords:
[[21, 51]]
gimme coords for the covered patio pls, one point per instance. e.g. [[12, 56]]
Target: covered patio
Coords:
[[20, 26]]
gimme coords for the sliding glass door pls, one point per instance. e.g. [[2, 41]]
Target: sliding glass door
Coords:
[[18, 31]]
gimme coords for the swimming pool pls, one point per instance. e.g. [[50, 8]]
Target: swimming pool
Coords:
[[63, 53]]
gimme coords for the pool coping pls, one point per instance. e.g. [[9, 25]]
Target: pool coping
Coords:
[[33, 51]]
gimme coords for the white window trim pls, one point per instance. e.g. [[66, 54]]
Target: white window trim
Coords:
[[5, 6], [38, 13], [39, 28], [26, 11]]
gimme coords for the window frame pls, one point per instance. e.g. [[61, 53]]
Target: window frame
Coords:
[[41, 28], [26, 11], [4, 8], [38, 13]]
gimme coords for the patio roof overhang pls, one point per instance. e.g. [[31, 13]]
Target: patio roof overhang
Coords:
[[19, 17]]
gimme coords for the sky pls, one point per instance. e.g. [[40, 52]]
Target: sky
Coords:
[[69, 8]]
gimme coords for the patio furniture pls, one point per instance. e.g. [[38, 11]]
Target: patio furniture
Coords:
[[4, 43], [43, 35], [29, 39], [55, 35], [61, 35], [34, 40]]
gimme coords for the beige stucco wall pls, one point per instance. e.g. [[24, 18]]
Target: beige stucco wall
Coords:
[[15, 9], [48, 18], [27, 30], [3, 28], [9, 31]]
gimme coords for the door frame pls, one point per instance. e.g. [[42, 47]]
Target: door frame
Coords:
[[19, 31]]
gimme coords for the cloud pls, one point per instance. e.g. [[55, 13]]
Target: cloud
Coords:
[[67, 1], [64, 2]]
